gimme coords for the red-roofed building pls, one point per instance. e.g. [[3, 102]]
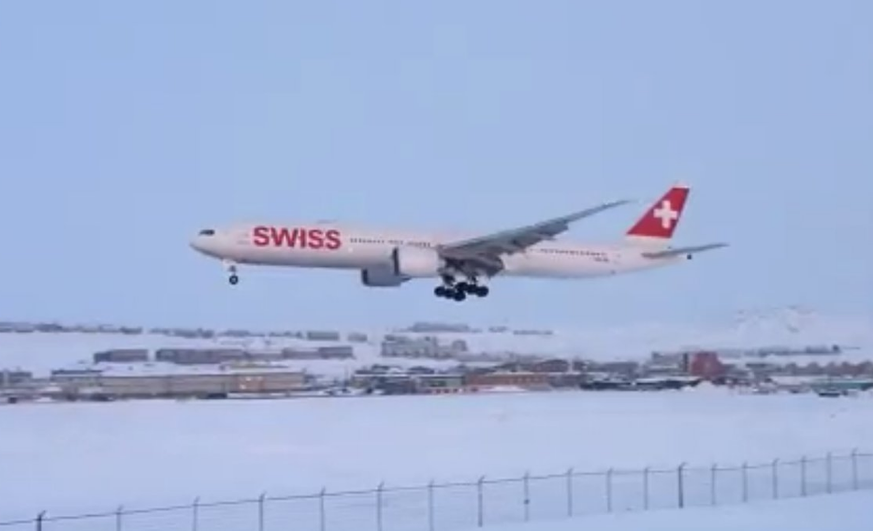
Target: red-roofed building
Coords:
[[706, 365]]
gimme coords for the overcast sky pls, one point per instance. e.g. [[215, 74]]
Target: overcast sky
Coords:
[[127, 126]]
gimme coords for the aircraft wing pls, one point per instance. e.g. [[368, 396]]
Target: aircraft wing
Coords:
[[487, 249], [678, 251]]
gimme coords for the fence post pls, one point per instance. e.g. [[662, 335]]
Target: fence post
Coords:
[[680, 478], [379, 490], [480, 488], [118, 514], [322, 512], [775, 479], [830, 473], [527, 496], [609, 490], [855, 469], [712, 487], [430, 508], [745, 482], [39, 518], [261, 500], [195, 514], [803, 476], [646, 489], [570, 493]]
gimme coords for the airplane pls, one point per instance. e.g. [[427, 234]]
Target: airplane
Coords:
[[464, 263]]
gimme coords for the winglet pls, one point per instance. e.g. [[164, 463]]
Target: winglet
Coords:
[[659, 222]]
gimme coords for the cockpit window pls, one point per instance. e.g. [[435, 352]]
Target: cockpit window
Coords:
[[207, 232]]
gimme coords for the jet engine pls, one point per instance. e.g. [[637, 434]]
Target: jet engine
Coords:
[[414, 262], [381, 277]]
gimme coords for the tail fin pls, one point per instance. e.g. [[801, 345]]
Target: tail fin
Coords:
[[657, 225]]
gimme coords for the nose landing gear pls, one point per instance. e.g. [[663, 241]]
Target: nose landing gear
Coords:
[[231, 269]]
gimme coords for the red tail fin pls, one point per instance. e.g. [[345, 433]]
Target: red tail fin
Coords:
[[661, 219]]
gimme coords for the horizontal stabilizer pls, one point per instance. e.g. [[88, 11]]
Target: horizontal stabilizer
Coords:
[[670, 253]]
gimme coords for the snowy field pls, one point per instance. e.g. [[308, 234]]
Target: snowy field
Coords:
[[844, 512], [72, 458]]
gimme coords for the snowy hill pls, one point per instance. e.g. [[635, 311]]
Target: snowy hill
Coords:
[[790, 327], [779, 328], [42, 352]]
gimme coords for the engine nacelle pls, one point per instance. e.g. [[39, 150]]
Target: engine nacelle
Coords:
[[414, 262], [381, 278]]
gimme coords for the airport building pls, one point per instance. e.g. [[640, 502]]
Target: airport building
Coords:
[[12, 378], [130, 355], [397, 346], [439, 383], [180, 384], [526, 380]]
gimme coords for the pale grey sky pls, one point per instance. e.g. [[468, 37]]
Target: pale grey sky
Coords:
[[127, 126]]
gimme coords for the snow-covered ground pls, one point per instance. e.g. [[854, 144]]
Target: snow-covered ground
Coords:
[[83, 457], [843, 512], [73, 458], [789, 327]]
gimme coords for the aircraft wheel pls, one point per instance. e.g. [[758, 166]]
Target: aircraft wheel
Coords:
[[459, 295], [234, 280], [482, 291], [440, 291]]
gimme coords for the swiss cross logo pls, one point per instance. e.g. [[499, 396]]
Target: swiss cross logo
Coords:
[[662, 216], [666, 214]]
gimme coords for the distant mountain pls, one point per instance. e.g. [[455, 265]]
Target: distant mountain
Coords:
[[794, 323]]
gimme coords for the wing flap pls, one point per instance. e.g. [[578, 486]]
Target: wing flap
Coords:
[[678, 251]]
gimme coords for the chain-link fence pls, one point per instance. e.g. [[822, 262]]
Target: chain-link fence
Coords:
[[455, 506]]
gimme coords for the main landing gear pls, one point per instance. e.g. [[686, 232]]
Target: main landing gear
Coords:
[[459, 291]]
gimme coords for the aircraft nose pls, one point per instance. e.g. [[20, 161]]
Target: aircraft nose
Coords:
[[196, 244], [200, 242]]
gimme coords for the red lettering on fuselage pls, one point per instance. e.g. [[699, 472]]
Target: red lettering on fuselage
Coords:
[[296, 238]]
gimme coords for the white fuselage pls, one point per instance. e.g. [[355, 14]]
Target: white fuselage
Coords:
[[330, 245]]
